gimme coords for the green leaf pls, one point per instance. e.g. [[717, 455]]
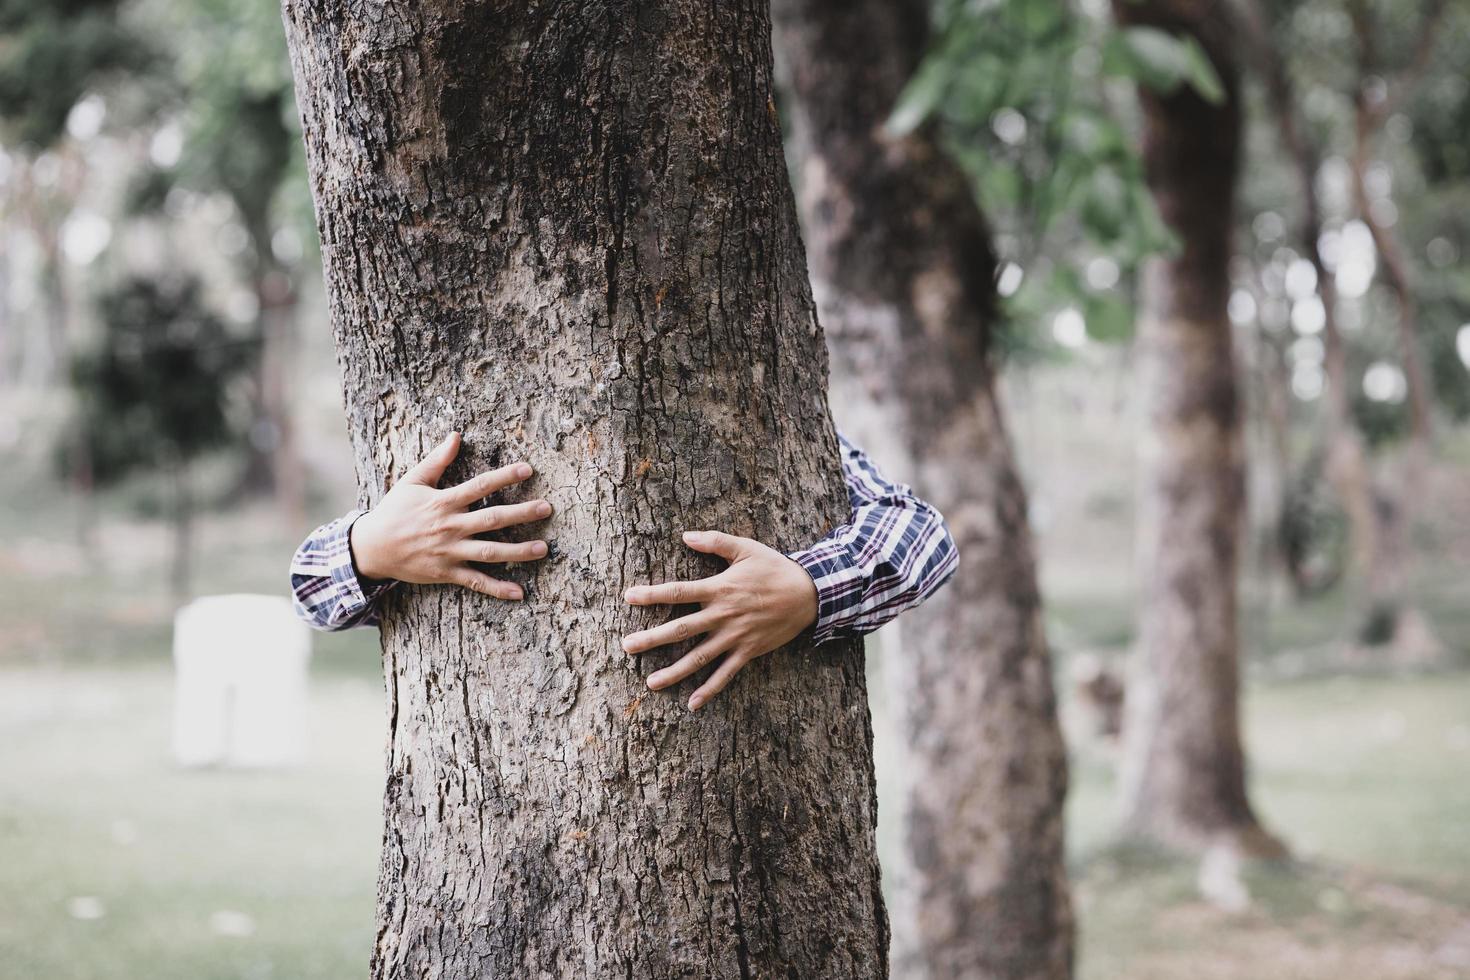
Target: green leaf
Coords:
[[1201, 73], [1109, 319], [919, 98], [1162, 61]]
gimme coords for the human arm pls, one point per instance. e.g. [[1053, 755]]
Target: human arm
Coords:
[[417, 533], [892, 553]]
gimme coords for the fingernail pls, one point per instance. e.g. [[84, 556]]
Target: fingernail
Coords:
[[654, 680], [695, 701], [517, 594], [538, 549], [627, 644], [691, 535], [543, 509], [523, 470]]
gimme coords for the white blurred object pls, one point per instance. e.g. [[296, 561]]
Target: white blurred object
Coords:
[[1219, 879], [86, 907], [228, 923], [240, 682]]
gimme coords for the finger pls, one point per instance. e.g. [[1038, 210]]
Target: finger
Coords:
[[480, 582], [671, 632], [430, 469], [484, 484], [717, 681], [691, 663], [495, 552], [505, 515], [670, 593], [727, 546]]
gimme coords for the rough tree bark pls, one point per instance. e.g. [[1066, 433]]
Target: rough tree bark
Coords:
[[567, 230], [903, 272], [1184, 766]]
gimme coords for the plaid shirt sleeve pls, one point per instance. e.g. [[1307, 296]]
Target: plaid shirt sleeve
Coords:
[[324, 583], [892, 554]]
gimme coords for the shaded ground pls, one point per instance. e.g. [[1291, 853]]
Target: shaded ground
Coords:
[[1364, 777], [1144, 921]]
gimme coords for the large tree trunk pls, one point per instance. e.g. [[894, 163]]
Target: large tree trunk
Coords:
[[567, 230], [903, 270], [1184, 766]]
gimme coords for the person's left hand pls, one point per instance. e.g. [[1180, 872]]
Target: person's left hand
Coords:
[[762, 601]]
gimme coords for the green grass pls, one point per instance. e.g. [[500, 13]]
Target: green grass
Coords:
[[1357, 773], [1361, 769], [91, 806]]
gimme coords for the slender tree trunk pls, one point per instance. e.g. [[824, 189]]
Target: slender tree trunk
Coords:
[[57, 302], [273, 465], [1396, 274], [182, 512], [1346, 463], [1369, 115], [10, 361], [277, 296], [903, 271], [1184, 767], [567, 231]]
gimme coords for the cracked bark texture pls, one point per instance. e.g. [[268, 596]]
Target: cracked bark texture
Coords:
[[567, 230], [1183, 775], [903, 272]]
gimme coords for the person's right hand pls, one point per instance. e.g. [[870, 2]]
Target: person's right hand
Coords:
[[418, 533]]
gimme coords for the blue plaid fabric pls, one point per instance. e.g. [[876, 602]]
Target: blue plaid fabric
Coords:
[[892, 554]]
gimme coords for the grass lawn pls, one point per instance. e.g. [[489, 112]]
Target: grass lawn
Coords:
[[118, 864], [1365, 778]]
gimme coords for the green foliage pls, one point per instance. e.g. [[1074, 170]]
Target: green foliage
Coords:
[[237, 106], [1381, 422], [1162, 61], [155, 392], [51, 53], [1021, 92], [1313, 532]]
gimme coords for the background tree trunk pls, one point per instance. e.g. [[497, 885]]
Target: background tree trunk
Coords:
[[903, 272], [1346, 463], [1184, 767], [567, 230]]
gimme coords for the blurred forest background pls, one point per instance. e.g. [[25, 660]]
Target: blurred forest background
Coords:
[[170, 426]]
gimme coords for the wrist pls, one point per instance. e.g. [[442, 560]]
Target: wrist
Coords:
[[363, 547], [804, 589]]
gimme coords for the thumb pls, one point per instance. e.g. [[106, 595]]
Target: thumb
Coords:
[[727, 546], [431, 469]]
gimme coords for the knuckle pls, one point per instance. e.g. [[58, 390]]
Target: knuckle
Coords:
[[681, 630], [492, 518], [678, 593]]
